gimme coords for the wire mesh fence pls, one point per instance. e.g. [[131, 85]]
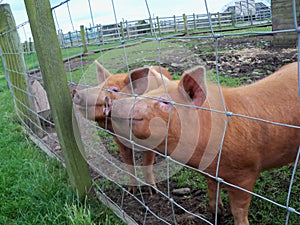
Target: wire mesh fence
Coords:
[[167, 189]]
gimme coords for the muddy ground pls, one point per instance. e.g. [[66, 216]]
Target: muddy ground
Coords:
[[248, 58]]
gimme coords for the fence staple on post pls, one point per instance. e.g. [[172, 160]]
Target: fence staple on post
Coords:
[[12, 49], [55, 80]]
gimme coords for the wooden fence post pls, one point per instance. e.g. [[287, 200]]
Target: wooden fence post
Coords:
[[54, 76], [219, 20], [31, 47], [11, 49], [127, 29], [175, 23], [25, 47], [251, 18], [99, 31], [87, 35], [158, 26], [233, 18], [186, 31], [195, 24], [83, 39], [70, 37], [122, 30], [151, 26]]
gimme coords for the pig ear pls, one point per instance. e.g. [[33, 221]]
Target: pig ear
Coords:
[[139, 79], [102, 73], [193, 83]]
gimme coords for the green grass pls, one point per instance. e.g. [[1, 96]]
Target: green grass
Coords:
[[33, 187]]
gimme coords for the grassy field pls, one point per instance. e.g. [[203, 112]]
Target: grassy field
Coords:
[[33, 187]]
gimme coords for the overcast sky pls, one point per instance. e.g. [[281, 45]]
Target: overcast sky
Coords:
[[103, 13]]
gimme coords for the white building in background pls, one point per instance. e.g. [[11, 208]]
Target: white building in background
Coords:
[[243, 8]]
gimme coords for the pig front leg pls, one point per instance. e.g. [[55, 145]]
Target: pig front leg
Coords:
[[240, 200], [148, 161], [126, 154], [212, 195]]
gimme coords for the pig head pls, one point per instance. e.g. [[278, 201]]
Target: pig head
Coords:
[[90, 101]]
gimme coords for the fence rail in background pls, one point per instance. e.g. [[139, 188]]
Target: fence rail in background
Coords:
[[136, 29]]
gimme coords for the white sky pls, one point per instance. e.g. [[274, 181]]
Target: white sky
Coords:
[[125, 9]]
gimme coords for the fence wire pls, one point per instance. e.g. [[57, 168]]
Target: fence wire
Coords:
[[100, 152]]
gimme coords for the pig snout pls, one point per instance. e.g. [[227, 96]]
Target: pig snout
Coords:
[[130, 115], [93, 103], [76, 97], [107, 107], [88, 97]]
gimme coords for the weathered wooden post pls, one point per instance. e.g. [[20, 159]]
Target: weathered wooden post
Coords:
[[83, 39], [151, 26], [158, 26], [283, 19], [70, 37], [77, 37], [87, 35], [175, 23], [25, 47], [251, 18], [54, 76], [11, 48], [219, 20], [195, 24], [127, 29], [122, 30], [186, 31], [99, 29], [233, 18], [31, 47]]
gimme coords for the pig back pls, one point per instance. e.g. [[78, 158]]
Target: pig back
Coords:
[[269, 135]]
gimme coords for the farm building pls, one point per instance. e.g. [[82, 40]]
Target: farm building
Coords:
[[247, 7]]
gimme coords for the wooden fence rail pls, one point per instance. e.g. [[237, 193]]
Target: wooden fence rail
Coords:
[[127, 30]]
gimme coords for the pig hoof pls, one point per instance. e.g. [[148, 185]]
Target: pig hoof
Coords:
[[220, 211], [152, 190], [132, 189]]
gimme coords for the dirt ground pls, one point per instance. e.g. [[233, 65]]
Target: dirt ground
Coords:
[[248, 58]]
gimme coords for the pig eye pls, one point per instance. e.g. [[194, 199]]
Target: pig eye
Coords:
[[163, 104], [114, 89], [164, 101]]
